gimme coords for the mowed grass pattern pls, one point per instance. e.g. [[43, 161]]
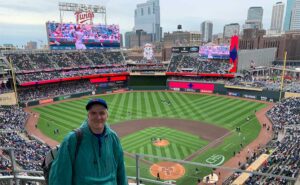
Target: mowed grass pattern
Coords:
[[222, 111], [181, 144]]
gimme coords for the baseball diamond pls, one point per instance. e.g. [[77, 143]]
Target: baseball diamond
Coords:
[[197, 126]]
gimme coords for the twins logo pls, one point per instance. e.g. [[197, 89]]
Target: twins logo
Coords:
[[82, 17], [215, 159]]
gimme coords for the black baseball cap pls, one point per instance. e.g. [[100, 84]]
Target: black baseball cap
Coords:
[[96, 101]]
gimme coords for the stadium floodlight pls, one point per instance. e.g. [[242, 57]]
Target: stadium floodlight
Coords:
[[81, 7]]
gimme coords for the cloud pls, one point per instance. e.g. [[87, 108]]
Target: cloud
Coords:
[[37, 6], [25, 19], [19, 34]]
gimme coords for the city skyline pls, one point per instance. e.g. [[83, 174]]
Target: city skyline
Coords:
[[147, 18], [277, 17], [295, 19], [207, 31], [288, 14], [254, 18], [22, 22]]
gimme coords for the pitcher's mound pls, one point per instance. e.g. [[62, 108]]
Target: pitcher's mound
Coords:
[[161, 143], [167, 170]]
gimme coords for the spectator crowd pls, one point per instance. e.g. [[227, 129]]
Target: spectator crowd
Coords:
[[193, 63], [12, 118], [55, 64], [268, 84], [50, 75], [284, 159], [5, 165], [53, 90], [285, 113], [28, 153]]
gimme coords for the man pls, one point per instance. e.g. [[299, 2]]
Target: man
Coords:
[[100, 156], [79, 38]]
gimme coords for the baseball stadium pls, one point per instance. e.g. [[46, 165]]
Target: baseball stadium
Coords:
[[193, 119]]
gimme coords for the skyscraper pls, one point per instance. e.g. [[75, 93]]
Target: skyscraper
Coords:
[[277, 17], [231, 29], [288, 15], [206, 31], [254, 18], [147, 18], [295, 19]]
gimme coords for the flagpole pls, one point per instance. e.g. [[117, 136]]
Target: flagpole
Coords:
[[282, 76]]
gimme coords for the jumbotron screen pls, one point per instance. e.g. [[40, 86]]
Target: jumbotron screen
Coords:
[[82, 36], [214, 52]]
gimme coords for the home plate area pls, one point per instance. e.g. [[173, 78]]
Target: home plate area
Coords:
[[167, 170]]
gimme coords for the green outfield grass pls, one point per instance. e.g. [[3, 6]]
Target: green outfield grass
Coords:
[[221, 111], [181, 144]]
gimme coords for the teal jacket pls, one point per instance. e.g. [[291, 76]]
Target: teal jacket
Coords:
[[94, 165]]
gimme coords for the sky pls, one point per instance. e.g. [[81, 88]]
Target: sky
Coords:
[[24, 20]]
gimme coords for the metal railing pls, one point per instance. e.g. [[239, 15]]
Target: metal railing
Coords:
[[21, 177], [139, 157], [18, 176]]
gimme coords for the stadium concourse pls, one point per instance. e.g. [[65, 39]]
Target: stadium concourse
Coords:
[[32, 67]]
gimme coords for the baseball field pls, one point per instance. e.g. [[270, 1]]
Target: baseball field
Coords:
[[193, 127]]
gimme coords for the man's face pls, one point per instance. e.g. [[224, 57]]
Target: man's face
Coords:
[[97, 116]]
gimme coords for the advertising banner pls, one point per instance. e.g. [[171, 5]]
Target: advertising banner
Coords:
[[8, 99], [263, 98], [243, 88], [119, 90], [234, 47], [192, 85], [214, 51], [249, 96], [175, 89], [206, 91], [289, 94], [190, 90], [193, 49], [45, 101], [233, 94]]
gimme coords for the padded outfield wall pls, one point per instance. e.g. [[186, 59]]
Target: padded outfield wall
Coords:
[[161, 83], [218, 88], [156, 82]]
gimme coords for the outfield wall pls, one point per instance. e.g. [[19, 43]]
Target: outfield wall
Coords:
[[58, 98], [218, 88], [147, 82], [211, 88], [161, 83]]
